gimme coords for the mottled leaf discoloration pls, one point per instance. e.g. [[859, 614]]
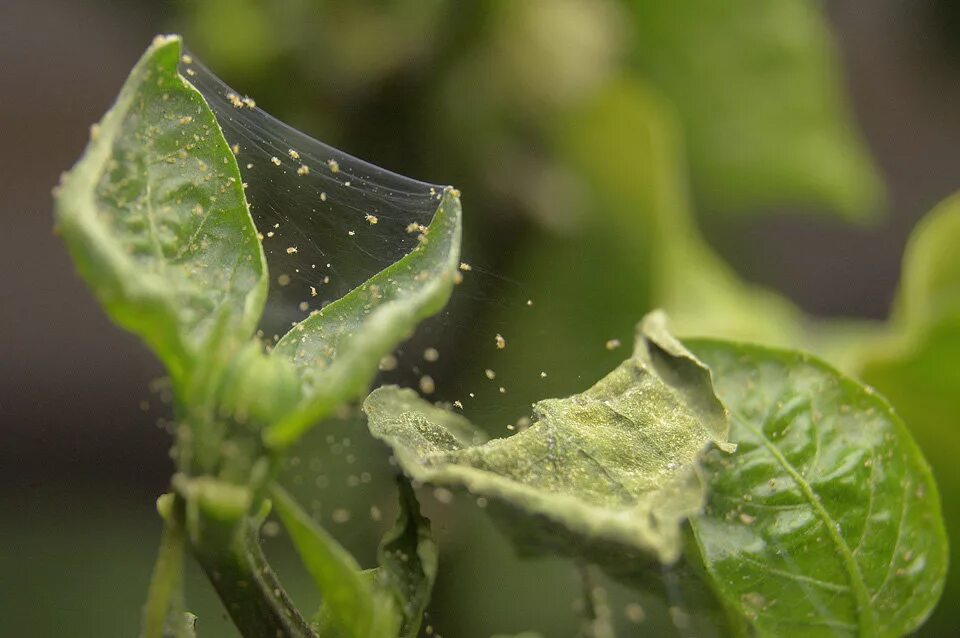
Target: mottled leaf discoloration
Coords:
[[615, 464]]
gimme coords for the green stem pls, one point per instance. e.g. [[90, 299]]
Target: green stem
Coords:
[[165, 594], [249, 589]]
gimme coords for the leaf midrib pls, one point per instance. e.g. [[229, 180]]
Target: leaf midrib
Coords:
[[867, 619]]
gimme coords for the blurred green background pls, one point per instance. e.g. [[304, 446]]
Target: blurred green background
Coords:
[[754, 167]]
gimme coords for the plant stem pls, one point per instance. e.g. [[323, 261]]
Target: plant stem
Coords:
[[165, 594], [249, 589]]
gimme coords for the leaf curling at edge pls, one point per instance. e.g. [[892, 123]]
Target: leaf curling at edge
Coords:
[[609, 472], [408, 558], [407, 570], [353, 605], [827, 518], [156, 221], [338, 349]]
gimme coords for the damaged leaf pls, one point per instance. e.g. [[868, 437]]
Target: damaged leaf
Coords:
[[614, 465]]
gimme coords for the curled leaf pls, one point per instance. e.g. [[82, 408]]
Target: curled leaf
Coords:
[[827, 519], [408, 561], [337, 349], [614, 465], [352, 603], [396, 592], [156, 221]]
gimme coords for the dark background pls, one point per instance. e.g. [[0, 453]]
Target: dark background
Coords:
[[81, 460]]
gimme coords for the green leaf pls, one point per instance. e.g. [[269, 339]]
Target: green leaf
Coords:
[[407, 571], [337, 350], [408, 561], [749, 79], [914, 366], [156, 221], [353, 605], [615, 465], [826, 519]]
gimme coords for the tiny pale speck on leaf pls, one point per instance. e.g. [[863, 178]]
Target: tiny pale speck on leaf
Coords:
[[431, 354], [613, 344], [490, 374], [334, 165], [283, 280], [275, 160], [291, 250], [371, 219], [500, 341], [464, 266]]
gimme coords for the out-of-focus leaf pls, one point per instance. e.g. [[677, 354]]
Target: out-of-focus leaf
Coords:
[[337, 350], [625, 144], [156, 221], [614, 465], [764, 115], [185, 626], [353, 605], [827, 518]]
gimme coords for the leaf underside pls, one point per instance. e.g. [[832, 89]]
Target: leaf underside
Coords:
[[826, 520], [610, 471]]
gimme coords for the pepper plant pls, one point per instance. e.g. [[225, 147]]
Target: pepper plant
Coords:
[[793, 492]]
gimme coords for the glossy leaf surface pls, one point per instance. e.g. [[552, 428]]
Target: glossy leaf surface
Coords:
[[615, 464], [156, 221], [826, 520], [915, 367]]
